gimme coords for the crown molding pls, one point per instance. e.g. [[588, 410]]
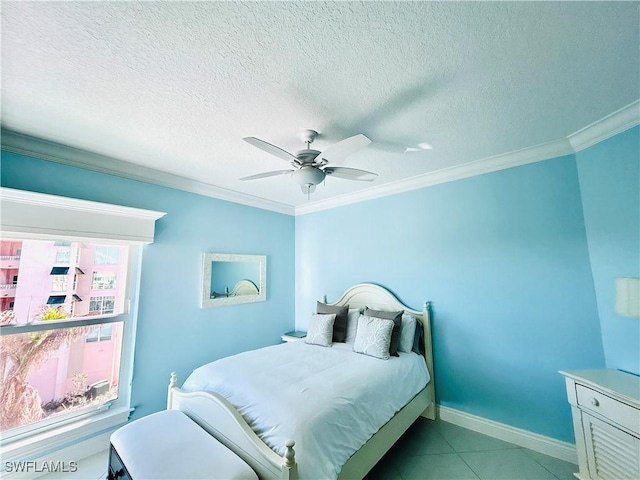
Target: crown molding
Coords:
[[22, 144], [617, 122]]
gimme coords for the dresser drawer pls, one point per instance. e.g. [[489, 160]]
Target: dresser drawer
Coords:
[[607, 407]]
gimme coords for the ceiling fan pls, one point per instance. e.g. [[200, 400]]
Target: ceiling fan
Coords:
[[310, 167]]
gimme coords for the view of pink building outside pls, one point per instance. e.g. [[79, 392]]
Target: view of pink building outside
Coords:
[[83, 279]]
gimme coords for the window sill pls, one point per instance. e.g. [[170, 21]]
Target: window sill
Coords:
[[45, 443]]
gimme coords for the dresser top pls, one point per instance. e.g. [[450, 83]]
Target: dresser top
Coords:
[[615, 382]]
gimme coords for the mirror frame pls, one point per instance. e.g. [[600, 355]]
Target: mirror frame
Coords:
[[205, 297]]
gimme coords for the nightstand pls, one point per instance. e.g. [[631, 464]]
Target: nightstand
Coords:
[[293, 336], [605, 405]]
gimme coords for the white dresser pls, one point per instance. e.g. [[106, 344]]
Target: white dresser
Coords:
[[605, 404]]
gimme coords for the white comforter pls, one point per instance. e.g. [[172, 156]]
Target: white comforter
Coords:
[[330, 400]]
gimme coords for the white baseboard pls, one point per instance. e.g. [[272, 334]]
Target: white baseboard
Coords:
[[523, 438]]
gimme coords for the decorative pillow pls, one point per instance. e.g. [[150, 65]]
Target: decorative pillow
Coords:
[[418, 341], [397, 321], [407, 333], [352, 325], [340, 325], [320, 330], [373, 337]]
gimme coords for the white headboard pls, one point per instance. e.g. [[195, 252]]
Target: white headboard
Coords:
[[379, 298]]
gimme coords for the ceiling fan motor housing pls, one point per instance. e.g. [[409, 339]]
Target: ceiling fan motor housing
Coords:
[[307, 156], [308, 175]]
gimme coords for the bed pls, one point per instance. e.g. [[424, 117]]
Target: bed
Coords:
[[213, 408]]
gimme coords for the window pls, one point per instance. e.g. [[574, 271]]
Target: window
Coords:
[[49, 381], [59, 283], [67, 345], [99, 334], [63, 255], [101, 305], [15, 280], [52, 300], [103, 281]]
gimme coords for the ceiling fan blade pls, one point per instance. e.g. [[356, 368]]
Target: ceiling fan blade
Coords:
[[341, 150], [351, 173], [394, 147], [272, 149], [267, 174]]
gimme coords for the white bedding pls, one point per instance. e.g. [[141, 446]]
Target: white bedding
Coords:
[[330, 400]]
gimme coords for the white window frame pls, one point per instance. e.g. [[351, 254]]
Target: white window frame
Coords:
[[29, 215], [128, 343]]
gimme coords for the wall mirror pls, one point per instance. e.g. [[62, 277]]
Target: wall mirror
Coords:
[[229, 279]]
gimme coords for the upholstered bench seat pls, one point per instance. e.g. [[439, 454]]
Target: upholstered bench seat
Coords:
[[169, 445]]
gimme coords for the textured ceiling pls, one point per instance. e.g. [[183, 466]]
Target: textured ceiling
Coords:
[[175, 86]]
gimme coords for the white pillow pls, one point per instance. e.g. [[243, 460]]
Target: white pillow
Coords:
[[407, 333], [373, 336], [352, 325], [320, 330]]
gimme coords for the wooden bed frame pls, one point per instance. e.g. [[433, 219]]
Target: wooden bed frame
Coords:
[[218, 417]]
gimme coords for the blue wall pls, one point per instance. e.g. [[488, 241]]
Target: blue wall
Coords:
[[609, 175], [173, 333], [504, 259]]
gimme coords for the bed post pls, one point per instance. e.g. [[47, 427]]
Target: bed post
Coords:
[[173, 380], [289, 467], [430, 412]]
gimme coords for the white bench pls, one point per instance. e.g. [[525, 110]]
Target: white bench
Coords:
[[169, 445]]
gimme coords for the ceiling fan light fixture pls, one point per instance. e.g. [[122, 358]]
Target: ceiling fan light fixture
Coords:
[[308, 175], [308, 189]]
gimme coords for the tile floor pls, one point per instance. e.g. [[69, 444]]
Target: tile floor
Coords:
[[441, 451], [428, 450]]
